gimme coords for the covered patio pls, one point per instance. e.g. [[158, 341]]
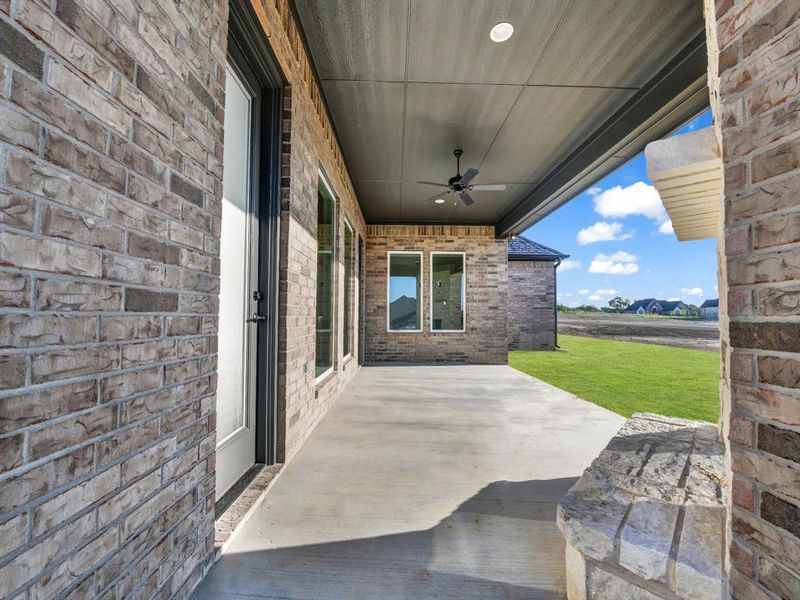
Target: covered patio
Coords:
[[212, 214], [421, 482]]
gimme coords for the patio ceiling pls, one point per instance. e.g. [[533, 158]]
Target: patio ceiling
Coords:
[[580, 88]]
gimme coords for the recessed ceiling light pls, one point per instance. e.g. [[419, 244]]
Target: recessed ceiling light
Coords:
[[501, 32], [439, 201]]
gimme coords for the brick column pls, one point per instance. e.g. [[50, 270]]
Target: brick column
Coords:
[[754, 72], [111, 119]]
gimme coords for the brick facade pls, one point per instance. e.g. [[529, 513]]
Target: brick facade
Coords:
[[531, 305], [309, 145], [110, 185], [753, 71], [110, 180], [485, 339]]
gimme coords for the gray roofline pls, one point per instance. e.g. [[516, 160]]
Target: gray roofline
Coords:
[[645, 117]]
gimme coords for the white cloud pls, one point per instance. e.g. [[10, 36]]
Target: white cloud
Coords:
[[574, 303], [623, 256], [639, 198], [593, 191], [672, 299], [569, 265], [666, 227], [583, 292], [619, 263], [603, 294], [602, 232], [695, 291]]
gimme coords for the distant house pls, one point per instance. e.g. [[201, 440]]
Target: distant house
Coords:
[[641, 307], [710, 309], [532, 295], [651, 306]]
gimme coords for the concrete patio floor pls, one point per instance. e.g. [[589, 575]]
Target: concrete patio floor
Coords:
[[421, 482]]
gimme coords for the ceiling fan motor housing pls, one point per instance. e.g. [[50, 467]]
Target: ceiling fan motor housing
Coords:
[[453, 182]]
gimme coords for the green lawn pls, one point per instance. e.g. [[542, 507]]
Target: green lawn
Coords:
[[629, 377]]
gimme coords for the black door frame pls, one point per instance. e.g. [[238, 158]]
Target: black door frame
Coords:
[[250, 55]]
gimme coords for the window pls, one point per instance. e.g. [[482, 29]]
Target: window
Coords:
[[404, 291], [447, 291], [347, 326], [325, 254]]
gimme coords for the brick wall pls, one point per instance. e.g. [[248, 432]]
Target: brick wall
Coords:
[[531, 305], [755, 50], [485, 339], [110, 177], [309, 144]]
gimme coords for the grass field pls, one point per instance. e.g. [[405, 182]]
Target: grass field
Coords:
[[629, 377]]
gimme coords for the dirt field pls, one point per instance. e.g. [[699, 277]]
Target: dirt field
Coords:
[[702, 335]]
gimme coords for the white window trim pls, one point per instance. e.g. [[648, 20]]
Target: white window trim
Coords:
[[389, 255], [328, 372], [347, 225], [463, 292]]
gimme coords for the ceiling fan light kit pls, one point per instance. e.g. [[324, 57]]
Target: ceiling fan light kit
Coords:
[[462, 184]]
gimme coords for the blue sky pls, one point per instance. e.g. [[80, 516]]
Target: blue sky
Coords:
[[620, 242]]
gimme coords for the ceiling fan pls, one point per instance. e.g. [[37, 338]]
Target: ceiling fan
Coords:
[[460, 184]]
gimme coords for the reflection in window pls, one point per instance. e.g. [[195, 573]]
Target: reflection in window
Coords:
[[447, 291], [325, 249], [405, 284], [347, 325]]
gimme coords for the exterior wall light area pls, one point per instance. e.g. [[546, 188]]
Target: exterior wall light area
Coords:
[[439, 201], [501, 32]]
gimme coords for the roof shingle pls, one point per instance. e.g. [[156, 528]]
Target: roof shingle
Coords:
[[521, 248]]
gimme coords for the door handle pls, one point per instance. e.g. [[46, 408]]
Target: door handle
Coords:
[[256, 318]]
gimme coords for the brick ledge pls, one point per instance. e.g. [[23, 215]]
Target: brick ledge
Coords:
[[243, 506]]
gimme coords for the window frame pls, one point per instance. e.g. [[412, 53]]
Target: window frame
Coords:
[[421, 303], [463, 291], [346, 225], [329, 371]]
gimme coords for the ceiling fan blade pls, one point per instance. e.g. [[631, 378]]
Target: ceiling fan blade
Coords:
[[468, 176], [466, 198], [435, 196], [488, 187], [444, 185]]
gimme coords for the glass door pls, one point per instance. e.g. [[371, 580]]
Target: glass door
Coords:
[[236, 384]]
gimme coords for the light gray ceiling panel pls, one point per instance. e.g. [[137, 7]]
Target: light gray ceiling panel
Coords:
[[442, 117], [449, 39], [369, 120], [545, 125], [357, 39], [618, 43], [380, 200], [407, 81]]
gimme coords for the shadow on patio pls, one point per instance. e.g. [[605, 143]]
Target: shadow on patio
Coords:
[[373, 505]]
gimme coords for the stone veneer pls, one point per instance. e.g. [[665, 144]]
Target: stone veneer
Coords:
[[485, 339], [647, 519], [531, 305], [111, 145], [754, 69]]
